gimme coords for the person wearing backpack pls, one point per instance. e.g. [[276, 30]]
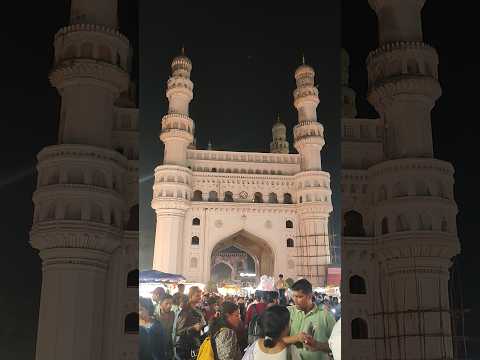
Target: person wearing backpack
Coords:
[[269, 298], [221, 342], [275, 327]]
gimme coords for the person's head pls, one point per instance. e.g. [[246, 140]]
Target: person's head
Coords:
[[229, 316], [166, 303], [270, 297], [302, 294], [280, 276], [258, 295], [194, 295], [231, 313], [274, 324], [211, 302], [145, 309], [157, 294], [181, 288]]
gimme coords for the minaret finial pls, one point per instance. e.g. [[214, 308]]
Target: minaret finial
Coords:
[[209, 145], [183, 49], [303, 58], [278, 117]]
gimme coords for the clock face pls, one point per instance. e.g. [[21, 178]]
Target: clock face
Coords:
[[243, 195]]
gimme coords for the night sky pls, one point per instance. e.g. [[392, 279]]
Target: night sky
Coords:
[[243, 63], [244, 57]]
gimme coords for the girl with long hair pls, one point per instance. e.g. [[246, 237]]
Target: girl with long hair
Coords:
[[223, 332], [275, 325]]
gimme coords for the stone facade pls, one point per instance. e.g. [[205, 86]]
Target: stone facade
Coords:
[[274, 206], [85, 223], [399, 212]]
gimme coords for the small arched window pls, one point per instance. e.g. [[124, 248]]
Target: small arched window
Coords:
[[287, 198], [290, 243], [228, 196], [197, 195], [196, 221], [195, 240], [289, 224], [131, 323], [359, 329], [132, 279], [258, 198], [385, 226], [357, 285], [444, 225]]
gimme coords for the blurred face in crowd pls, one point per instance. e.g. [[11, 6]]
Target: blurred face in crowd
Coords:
[[181, 288], [196, 297], [143, 314], [302, 300], [166, 305], [234, 319]]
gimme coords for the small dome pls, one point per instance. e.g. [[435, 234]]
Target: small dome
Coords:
[[182, 62], [278, 124]]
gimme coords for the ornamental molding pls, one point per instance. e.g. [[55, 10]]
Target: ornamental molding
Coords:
[[394, 167], [92, 28], [66, 234], [69, 152], [77, 71]]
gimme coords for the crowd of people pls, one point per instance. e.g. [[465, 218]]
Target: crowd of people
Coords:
[[269, 325]]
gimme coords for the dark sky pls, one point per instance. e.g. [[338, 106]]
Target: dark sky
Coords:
[[244, 57], [243, 63], [449, 29]]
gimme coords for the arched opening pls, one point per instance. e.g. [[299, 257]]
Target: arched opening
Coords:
[[359, 329], [399, 190], [290, 243], [402, 223], [86, 50], [133, 219], [222, 272], [421, 188], [444, 225], [255, 253], [212, 196], [228, 196], [287, 198], [385, 226], [196, 221], [96, 213], [258, 197], [104, 53], [131, 323], [425, 221], [353, 224], [132, 279], [98, 179], [71, 52], [195, 240], [289, 224], [357, 285], [300, 200], [73, 212], [75, 176], [382, 193], [272, 198], [197, 195]]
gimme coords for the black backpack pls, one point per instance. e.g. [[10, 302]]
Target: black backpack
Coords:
[[254, 329]]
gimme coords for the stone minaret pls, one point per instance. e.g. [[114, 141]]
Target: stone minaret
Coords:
[[313, 184], [279, 142], [349, 108], [80, 206], [414, 208], [172, 188]]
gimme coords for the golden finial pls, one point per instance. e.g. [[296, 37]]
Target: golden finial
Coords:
[[278, 118], [183, 49], [303, 58]]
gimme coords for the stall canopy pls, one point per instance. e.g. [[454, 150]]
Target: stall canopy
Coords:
[[155, 276]]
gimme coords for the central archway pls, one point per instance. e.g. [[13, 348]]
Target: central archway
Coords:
[[256, 248]]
